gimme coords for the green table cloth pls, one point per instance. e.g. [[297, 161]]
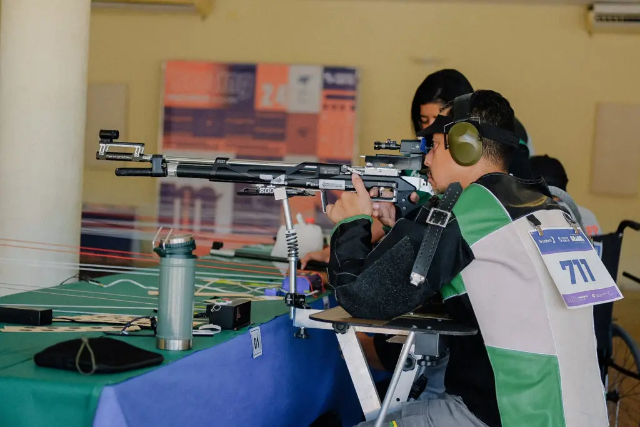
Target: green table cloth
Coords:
[[65, 398]]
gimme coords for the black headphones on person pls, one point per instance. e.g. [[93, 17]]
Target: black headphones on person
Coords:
[[463, 134]]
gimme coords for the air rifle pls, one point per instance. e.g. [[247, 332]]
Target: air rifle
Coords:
[[299, 179]]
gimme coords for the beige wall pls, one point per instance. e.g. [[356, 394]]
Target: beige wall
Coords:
[[540, 57]]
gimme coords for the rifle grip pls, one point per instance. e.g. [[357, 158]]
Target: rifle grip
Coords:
[[404, 203]]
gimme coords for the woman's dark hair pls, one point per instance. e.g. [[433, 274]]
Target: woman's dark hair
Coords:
[[441, 87]]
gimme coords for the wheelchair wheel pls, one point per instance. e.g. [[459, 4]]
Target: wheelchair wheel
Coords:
[[623, 380]]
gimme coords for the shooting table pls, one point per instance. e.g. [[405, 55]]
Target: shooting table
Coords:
[[217, 383], [420, 336]]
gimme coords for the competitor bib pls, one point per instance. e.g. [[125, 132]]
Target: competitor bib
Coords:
[[575, 267]]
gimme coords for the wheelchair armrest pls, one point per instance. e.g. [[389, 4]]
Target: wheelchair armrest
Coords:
[[628, 223]]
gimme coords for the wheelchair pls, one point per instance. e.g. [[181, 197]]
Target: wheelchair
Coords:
[[618, 352]]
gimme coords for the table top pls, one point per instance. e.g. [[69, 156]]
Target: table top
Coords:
[[436, 323]]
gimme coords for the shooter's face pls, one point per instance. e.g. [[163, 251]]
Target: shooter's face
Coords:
[[443, 170]]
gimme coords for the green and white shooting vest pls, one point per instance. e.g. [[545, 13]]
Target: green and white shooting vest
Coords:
[[534, 356]]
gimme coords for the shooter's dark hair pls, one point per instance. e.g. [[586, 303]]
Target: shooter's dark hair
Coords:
[[492, 108], [439, 87]]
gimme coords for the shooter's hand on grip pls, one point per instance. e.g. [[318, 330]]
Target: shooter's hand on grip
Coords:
[[386, 212], [351, 204]]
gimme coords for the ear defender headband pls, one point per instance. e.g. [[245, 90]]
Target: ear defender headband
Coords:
[[463, 136]]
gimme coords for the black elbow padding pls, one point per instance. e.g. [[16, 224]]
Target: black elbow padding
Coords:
[[383, 290]]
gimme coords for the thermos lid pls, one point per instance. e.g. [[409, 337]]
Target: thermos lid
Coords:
[[175, 245], [177, 241]]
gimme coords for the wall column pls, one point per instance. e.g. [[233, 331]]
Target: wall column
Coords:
[[44, 48]]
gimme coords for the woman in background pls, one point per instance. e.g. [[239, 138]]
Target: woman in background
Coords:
[[433, 93]]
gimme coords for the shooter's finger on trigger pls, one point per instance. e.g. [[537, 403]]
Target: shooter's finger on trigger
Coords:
[[414, 197], [373, 192], [358, 184], [387, 193]]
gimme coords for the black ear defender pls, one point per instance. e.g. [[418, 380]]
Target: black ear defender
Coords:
[[464, 137]]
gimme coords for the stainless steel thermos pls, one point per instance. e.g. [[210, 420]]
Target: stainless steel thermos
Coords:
[[176, 289]]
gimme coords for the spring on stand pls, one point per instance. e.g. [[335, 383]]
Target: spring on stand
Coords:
[[292, 244]]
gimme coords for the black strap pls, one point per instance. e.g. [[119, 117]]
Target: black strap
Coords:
[[533, 220], [436, 220], [498, 134], [462, 107]]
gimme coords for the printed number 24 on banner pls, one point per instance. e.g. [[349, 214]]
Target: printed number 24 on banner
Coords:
[[575, 267], [272, 96], [271, 87]]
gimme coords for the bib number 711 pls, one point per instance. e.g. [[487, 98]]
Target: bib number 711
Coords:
[[581, 265]]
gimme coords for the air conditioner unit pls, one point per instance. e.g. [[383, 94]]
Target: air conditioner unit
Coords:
[[614, 17], [200, 7]]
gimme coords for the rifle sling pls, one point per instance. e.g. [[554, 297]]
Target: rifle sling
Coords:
[[437, 219]]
